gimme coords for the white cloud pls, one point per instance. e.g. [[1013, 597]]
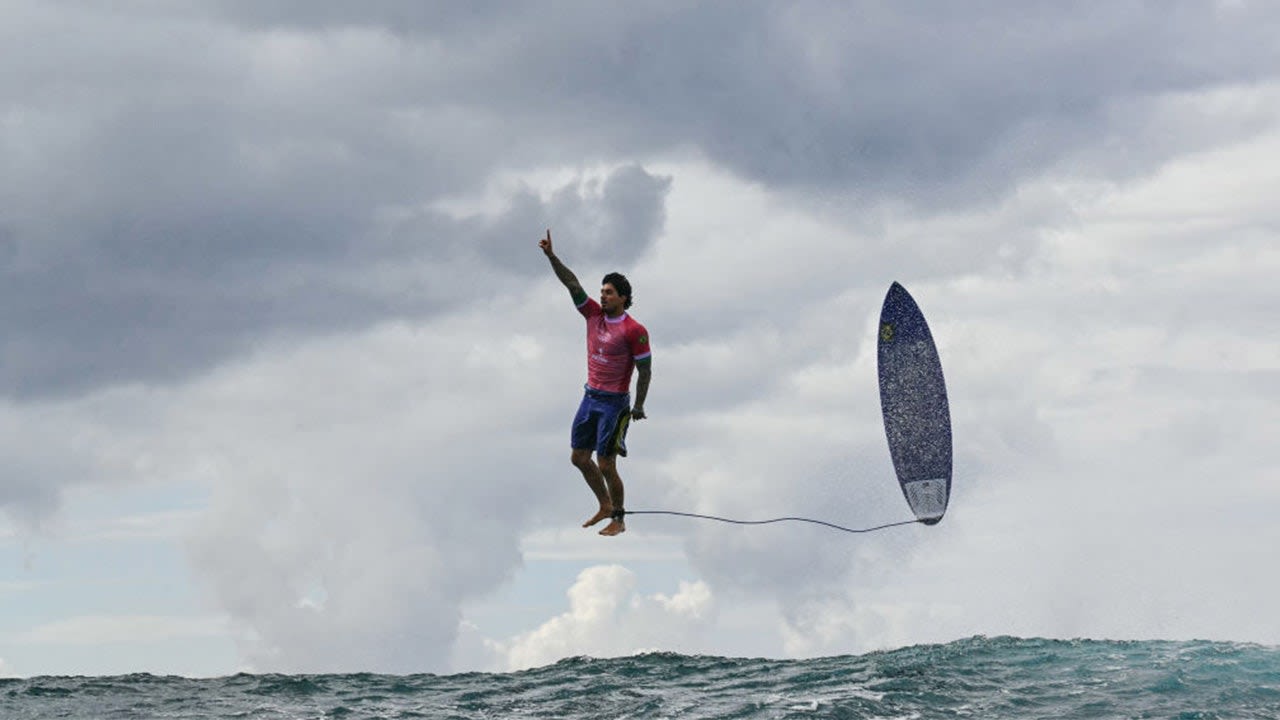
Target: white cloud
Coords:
[[375, 478], [18, 586], [607, 618], [162, 525], [94, 630], [569, 542]]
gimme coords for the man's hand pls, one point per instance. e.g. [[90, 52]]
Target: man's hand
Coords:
[[545, 244], [637, 412]]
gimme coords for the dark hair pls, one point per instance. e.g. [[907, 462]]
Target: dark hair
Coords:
[[619, 283]]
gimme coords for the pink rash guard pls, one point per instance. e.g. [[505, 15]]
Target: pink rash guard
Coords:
[[613, 347]]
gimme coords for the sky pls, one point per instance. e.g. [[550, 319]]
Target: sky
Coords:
[[286, 383]]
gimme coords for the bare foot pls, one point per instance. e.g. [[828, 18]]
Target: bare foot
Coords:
[[602, 514], [617, 527]]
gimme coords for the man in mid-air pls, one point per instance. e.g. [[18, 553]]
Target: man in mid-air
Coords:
[[616, 344]]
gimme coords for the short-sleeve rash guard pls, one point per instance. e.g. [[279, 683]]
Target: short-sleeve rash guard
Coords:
[[613, 347]]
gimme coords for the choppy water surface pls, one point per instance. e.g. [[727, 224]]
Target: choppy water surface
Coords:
[[974, 678]]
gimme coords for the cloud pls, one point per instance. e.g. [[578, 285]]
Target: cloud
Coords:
[[349, 521], [606, 618], [249, 198], [49, 448], [923, 103], [230, 176], [17, 586], [116, 629], [159, 319]]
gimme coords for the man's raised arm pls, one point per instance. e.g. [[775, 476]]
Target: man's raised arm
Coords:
[[565, 274]]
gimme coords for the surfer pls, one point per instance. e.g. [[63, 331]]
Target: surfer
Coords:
[[616, 344]]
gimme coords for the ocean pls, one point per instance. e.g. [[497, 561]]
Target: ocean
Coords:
[[979, 677]]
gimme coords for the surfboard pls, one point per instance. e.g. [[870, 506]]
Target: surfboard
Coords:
[[913, 401]]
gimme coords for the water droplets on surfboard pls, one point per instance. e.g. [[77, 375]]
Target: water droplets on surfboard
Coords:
[[913, 403]]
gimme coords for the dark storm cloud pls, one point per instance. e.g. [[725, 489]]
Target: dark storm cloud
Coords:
[[181, 179], [176, 189], [925, 100], [159, 297]]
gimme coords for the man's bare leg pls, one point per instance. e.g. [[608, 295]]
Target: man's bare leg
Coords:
[[581, 459], [609, 469]]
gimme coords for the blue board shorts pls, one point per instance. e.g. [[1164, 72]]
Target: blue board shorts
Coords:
[[601, 423]]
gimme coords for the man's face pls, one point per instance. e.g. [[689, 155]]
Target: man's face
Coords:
[[610, 300]]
